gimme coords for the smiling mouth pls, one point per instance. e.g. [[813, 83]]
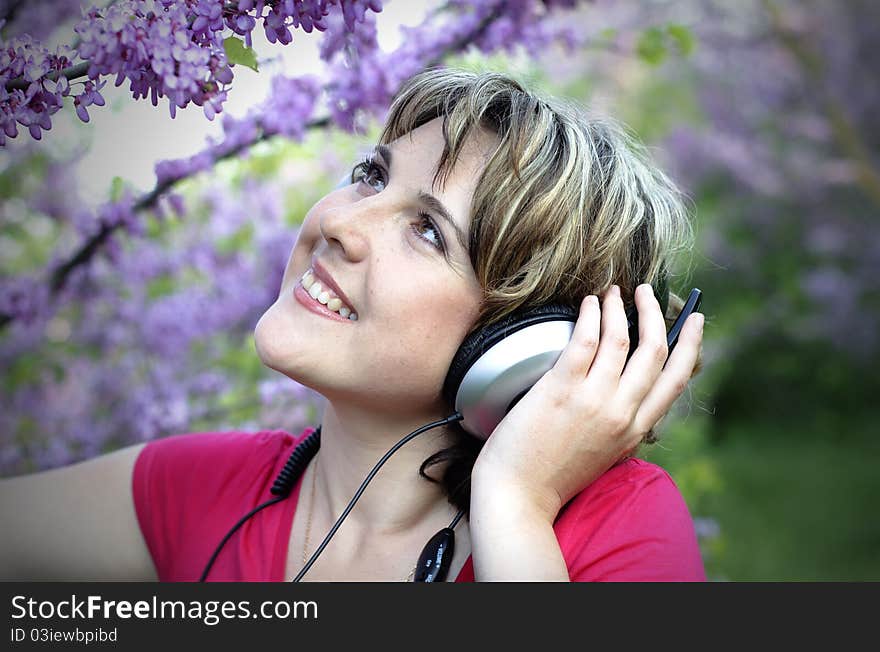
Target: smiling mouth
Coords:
[[325, 297]]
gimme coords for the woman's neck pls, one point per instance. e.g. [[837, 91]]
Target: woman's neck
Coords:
[[398, 498]]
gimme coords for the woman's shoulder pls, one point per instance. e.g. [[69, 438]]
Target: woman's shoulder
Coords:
[[183, 457], [631, 484], [631, 523], [186, 487], [223, 443], [631, 474]]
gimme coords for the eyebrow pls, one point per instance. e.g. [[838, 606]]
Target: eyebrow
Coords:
[[430, 201]]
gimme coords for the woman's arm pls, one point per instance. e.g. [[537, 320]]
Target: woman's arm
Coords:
[[74, 523], [512, 537]]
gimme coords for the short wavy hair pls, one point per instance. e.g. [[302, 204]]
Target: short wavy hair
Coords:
[[568, 204]]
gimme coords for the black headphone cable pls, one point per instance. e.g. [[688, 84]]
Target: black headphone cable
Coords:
[[457, 416], [295, 466]]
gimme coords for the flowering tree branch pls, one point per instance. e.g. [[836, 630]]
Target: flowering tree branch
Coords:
[[165, 48], [72, 73], [81, 69]]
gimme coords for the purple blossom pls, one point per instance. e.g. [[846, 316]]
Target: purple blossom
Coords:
[[24, 59], [164, 48], [25, 299], [707, 528], [135, 345], [120, 213], [290, 104]]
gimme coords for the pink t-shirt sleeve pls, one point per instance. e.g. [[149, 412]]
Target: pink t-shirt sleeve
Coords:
[[631, 525], [189, 489]]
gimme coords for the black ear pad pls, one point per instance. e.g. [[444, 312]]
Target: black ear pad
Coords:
[[481, 340]]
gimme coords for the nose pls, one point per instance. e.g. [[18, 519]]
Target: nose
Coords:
[[353, 223]]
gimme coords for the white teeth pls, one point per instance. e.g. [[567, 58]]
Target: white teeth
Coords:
[[317, 292]]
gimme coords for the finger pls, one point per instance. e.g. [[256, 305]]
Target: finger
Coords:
[[613, 344], [647, 360], [675, 376], [578, 354]]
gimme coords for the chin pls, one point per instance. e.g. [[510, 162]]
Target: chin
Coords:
[[278, 349]]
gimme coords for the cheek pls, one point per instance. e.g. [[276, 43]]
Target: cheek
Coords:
[[310, 228], [435, 323], [309, 232]]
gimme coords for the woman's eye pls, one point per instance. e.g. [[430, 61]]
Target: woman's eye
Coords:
[[426, 222], [367, 169]]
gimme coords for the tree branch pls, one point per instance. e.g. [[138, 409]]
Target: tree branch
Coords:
[[71, 72]]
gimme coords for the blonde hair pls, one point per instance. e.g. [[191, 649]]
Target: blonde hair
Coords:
[[568, 204]]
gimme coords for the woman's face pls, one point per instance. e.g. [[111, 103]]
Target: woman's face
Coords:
[[404, 271]]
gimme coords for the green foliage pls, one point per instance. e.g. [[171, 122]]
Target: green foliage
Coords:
[[607, 35], [797, 505], [116, 188], [237, 359], [652, 46], [791, 486], [18, 180], [682, 37], [663, 104], [655, 43], [238, 52], [236, 241], [162, 286], [682, 447]]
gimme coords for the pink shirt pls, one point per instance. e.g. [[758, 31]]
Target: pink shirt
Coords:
[[631, 524]]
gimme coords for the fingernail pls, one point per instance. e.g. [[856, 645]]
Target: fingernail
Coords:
[[615, 289], [702, 320]]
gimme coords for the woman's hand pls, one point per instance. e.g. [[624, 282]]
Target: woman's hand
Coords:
[[587, 411]]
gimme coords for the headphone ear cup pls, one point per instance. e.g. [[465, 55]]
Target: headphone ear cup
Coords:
[[468, 353], [503, 372], [492, 394]]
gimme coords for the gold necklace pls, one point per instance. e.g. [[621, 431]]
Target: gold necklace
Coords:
[[409, 577]]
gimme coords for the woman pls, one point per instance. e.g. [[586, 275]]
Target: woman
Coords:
[[534, 204]]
